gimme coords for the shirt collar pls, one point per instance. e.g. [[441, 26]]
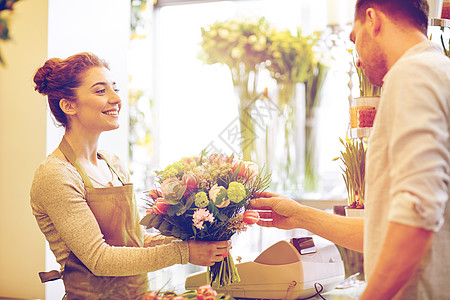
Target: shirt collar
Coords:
[[420, 47]]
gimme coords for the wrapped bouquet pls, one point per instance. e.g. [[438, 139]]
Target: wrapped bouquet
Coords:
[[206, 198]]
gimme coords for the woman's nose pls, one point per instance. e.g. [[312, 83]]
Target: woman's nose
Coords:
[[115, 98]]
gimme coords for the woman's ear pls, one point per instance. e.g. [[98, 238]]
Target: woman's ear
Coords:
[[67, 106]]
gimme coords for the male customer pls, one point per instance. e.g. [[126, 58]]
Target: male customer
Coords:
[[403, 235]]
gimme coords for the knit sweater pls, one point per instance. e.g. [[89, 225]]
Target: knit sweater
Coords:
[[58, 202]]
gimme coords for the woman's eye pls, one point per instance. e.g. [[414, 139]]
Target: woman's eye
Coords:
[[101, 91]]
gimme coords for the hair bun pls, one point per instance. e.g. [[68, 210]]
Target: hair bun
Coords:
[[41, 78]]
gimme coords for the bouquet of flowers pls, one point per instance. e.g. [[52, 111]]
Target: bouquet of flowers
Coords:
[[206, 198]]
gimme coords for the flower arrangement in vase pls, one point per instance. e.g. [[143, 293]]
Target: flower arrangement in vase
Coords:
[[250, 46], [354, 159], [292, 59], [241, 45]]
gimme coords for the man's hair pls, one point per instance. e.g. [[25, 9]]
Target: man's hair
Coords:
[[415, 12]]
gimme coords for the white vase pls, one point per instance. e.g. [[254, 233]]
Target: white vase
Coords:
[[354, 212], [435, 8]]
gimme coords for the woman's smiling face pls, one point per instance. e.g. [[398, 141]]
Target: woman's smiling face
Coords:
[[98, 104]]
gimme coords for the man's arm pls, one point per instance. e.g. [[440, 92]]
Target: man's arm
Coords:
[[284, 213], [402, 251]]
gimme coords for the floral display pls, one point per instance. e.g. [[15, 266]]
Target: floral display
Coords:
[[241, 45], [206, 198], [250, 46]]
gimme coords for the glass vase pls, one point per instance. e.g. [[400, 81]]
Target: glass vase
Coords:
[[285, 140], [244, 82]]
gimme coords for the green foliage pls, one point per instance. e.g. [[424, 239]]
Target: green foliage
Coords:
[[354, 159], [5, 5], [366, 88]]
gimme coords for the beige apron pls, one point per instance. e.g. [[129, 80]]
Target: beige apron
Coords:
[[116, 213]]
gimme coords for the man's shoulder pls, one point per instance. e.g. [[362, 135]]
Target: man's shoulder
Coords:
[[427, 57], [427, 64]]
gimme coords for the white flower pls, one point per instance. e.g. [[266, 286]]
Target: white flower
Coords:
[[213, 192]]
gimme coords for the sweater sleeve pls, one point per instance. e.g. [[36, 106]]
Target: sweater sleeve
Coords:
[[59, 205]]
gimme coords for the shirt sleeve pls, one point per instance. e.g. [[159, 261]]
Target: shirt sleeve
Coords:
[[58, 192], [419, 146]]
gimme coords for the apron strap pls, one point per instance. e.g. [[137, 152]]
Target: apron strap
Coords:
[[112, 168], [49, 276], [67, 150]]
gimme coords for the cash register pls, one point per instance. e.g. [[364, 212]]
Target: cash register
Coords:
[[294, 269]]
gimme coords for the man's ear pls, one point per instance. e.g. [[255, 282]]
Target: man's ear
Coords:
[[373, 19], [68, 107]]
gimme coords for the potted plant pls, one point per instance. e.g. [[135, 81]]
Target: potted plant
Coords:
[[354, 160], [363, 108]]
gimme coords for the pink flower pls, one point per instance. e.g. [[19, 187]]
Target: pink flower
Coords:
[[172, 190], [239, 165], [160, 207], [150, 296], [250, 217], [187, 160], [190, 180], [206, 292], [200, 216]]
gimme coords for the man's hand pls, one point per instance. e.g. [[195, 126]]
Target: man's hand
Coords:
[[277, 211]]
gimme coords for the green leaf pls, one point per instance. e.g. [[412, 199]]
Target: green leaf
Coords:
[[189, 202], [147, 220], [175, 209], [165, 227], [222, 217], [156, 221]]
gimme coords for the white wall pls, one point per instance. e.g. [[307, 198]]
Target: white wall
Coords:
[[101, 27], [42, 29], [22, 147]]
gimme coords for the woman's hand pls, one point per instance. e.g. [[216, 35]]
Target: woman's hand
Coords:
[[276, 211], [204, 253]]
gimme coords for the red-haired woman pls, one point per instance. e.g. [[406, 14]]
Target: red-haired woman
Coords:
[[83, 200]]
